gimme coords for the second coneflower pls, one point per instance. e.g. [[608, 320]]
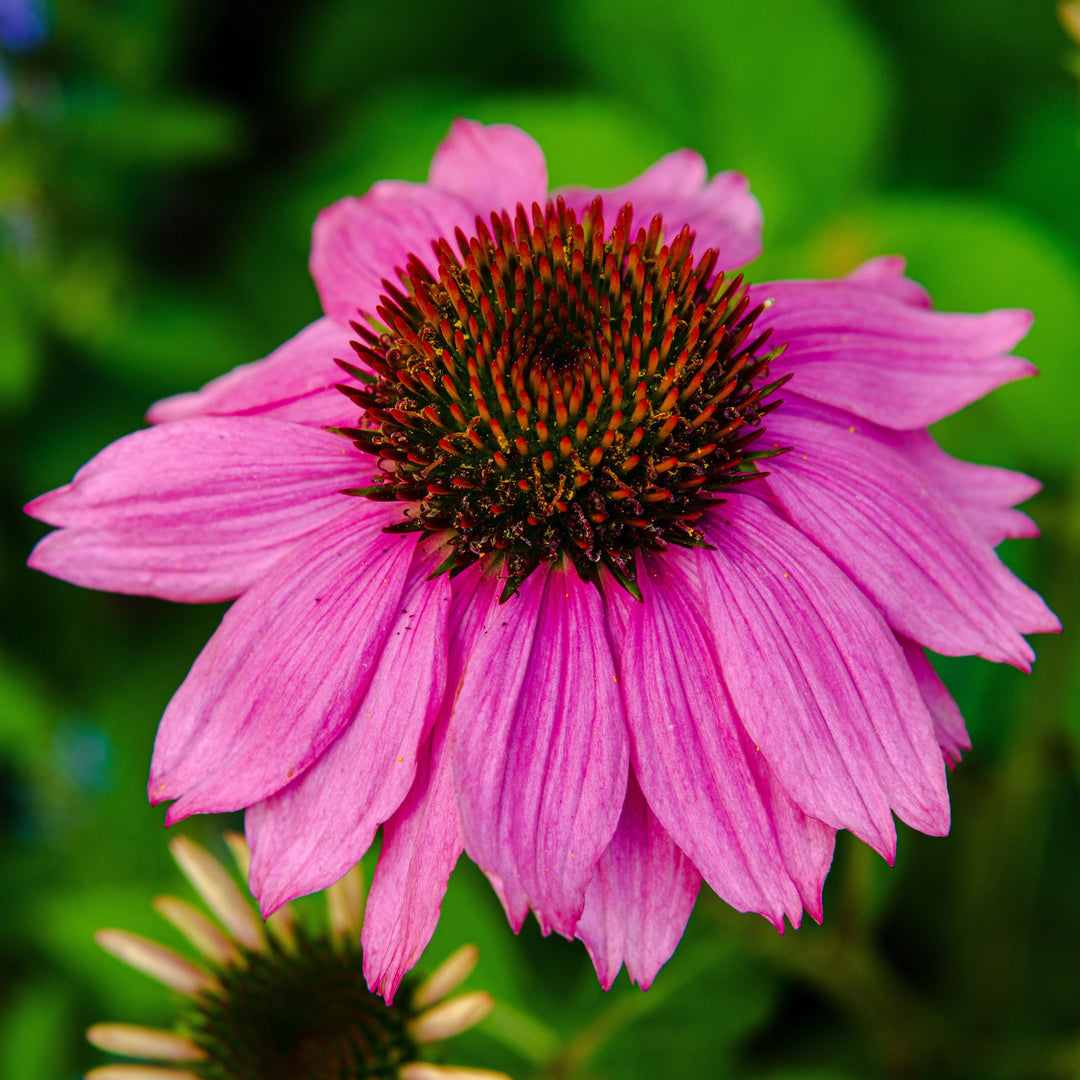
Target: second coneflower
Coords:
[[280, 1001]]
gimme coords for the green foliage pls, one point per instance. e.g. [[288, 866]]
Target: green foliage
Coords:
[[793, 91]]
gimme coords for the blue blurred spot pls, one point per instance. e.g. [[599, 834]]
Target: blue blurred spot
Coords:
[[23, 25], [83, 754]]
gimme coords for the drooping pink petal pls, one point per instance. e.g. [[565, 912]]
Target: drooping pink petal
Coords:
[[421, 846], [196, 510], [422, 841], [285, 671], [903, 542], [818, 680], [721, 211], [701, 777], [886, 274], [357, 243], [492, 166], [857, 347], [995, 524], [984, 494], [295, 382], [806, 844], [949, 727], [638, 904], [540, 750], [311, 832]]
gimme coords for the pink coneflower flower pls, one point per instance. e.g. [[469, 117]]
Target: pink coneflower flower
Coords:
[[282, 1002], [599, 564]]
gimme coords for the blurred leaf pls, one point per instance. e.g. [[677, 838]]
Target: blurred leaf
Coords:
[[130, 42], [35, 1033], [18, 344], [64, 925], [151, 132], [1041, 167], [792, 92], [162, 338], [26, 714], [968, 73], [341, 49], [171, 340]]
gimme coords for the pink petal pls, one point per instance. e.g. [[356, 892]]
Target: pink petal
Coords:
[[422, 841], [852, 739], [886, 274], [638, 904], [995, 525], [702, 778], [540, 752], [196, 510], [295, 382], [307, 835], [421, 846], [903, 542], [877, 356], [491, 166], [358, 242], [285, 671], [984, 494], [949, 727], [721, 211], [806, 844]]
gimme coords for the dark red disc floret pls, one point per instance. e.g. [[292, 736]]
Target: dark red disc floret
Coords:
[[555, 391]]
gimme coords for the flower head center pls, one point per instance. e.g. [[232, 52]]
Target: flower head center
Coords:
[[304, 1012], [555, 390]]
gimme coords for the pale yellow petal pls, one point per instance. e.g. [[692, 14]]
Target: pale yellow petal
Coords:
[[423, 1070], [451, 1017], [198, 929], [133, 1040], [138, 1072], [447, 977], [156, 960], [345, 904], [280, 924], [238, 845], [220, 892]]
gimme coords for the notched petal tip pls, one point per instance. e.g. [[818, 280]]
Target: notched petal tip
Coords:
[[493, 166]]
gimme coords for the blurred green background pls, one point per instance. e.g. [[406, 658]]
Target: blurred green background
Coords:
[[161, 162]]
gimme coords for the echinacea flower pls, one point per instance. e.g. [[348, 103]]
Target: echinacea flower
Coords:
[[587, 558], [282, 1002]]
